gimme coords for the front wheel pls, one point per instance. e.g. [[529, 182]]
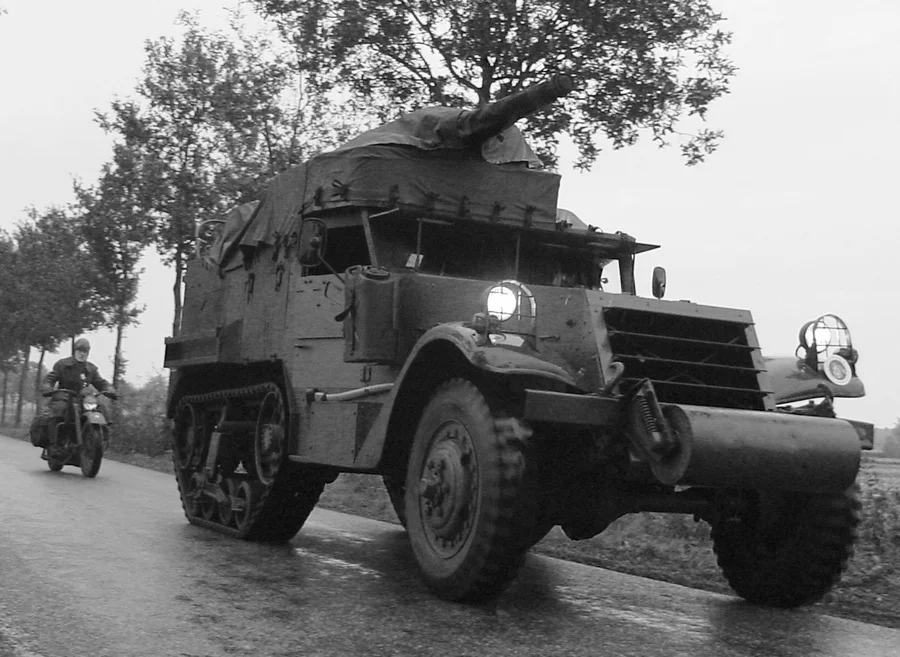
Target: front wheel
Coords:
[[787, 549], [91, 450], [463, 492]]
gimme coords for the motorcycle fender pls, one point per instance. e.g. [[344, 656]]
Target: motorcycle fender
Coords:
[[504, 355], [793, 380], [94, 417]]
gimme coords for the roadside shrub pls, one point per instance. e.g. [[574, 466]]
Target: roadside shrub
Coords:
[[140, 424], [878, 548]]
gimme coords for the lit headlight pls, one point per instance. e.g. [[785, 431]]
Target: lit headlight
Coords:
[[511, 303], [502, 301], [90, 406]]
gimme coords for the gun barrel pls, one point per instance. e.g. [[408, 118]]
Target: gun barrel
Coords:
[[480, 124]]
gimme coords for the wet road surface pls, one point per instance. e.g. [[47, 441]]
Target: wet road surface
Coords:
[[109, 566]]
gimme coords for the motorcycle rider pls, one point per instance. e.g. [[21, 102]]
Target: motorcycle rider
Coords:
[[72, 373]]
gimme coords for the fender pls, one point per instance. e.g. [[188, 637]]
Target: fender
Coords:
[[793, 380], [94, 417], [515, 357]]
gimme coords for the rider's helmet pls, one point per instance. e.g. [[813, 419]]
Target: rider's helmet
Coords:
[[81, 348]]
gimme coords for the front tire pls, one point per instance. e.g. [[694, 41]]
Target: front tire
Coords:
[[788, 549], [463, 491], [91, 451]]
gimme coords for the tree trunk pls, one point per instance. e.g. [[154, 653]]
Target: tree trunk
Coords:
[[38, 377], [5, 387], [176, 291], [118, 365], [22, 376]]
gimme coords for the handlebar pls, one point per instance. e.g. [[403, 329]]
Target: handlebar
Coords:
[[50, 393]]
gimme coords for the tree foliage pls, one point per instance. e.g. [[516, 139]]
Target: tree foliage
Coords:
[[641, 65], [215, 116], [10, 333], [57, 283], [54, 287], [116, 231]]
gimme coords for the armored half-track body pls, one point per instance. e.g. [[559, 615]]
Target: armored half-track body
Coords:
[[414, 305]]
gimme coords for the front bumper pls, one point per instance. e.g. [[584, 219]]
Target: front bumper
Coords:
[[723, 447]]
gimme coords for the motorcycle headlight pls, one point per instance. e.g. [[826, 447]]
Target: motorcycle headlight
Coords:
[[90, 406]]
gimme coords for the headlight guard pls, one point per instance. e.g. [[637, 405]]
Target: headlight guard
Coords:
[[825, 346], [508, 306]]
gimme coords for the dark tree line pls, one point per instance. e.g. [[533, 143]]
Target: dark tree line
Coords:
[[54, 288], [216, 114]]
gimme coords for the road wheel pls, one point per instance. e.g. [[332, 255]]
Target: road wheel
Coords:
[[55, 465], [396, 490], [462, 494], [787, 549], [243, 504], [91, 450], [271, 437]]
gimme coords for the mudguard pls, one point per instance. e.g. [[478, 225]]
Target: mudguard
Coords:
[[504, 354], [94, 417], [793, 380]]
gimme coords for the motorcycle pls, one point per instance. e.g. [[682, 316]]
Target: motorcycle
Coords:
[[83, 434]]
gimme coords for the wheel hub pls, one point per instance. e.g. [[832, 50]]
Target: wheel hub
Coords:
[[447, 487]]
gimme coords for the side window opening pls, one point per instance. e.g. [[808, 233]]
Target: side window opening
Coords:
[[344, 248]]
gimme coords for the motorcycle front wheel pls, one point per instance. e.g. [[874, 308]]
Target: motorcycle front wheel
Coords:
[[91, 450]]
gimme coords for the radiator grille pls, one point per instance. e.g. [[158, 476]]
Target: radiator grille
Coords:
[[690, 360]]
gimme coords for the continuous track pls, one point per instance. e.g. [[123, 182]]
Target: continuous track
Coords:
[[246, 488]]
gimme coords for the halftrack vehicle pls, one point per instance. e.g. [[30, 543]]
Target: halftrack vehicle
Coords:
[[414, 305]]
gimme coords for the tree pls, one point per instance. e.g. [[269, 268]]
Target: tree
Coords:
[[10, 347], [56, 287], [641, 65], [216, 115], [116, 231]]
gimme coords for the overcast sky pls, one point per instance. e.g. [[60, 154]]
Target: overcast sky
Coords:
[[795, 216]]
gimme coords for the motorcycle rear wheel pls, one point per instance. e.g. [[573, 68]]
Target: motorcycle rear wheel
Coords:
[[91, 451]]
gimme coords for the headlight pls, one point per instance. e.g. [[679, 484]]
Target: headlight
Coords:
[[825, 334], [512, 304], [502, 302], [825, 345], [90, 406], [838, 371]]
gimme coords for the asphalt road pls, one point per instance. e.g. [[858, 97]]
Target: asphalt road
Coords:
[[110, 567]]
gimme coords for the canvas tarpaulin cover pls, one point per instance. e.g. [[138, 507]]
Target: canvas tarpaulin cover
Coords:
[[408, 165]]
